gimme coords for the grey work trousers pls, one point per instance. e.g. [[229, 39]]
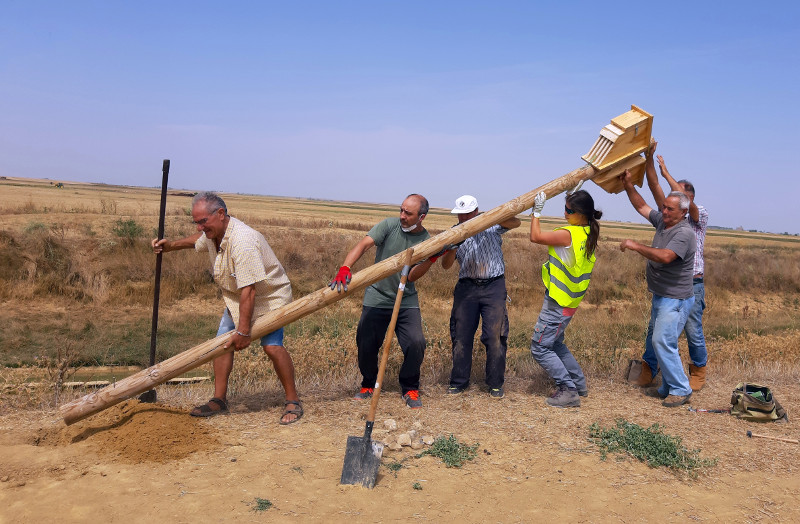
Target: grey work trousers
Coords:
[[549, 350]]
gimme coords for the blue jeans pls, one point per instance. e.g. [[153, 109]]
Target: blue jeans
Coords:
[[694, 326], [693, 331], [667, 319], [270, 339]]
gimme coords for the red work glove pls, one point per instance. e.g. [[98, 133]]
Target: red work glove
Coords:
[[341, 279], [447, 248]]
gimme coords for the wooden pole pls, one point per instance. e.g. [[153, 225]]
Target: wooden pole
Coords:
[[198, 355]]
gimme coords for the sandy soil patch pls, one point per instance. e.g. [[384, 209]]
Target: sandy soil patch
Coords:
[[139, 462]]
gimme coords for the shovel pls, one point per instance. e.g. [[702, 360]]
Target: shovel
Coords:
[[363, 455]]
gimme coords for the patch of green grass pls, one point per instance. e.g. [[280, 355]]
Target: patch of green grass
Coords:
[[417, 486], [452, 452], [127, 230], [650, 445], [35, 227], [394, 467], [262, 504]]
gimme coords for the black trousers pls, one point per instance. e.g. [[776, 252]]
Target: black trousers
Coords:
[[472, 303], [369, 338]]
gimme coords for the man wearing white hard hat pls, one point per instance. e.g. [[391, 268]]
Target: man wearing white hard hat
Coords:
[[479, 296]]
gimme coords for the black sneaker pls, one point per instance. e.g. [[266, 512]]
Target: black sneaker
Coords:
[[452, 390], [583, 392], [497, 393]]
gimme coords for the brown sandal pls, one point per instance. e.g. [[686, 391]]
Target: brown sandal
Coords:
[[298, 411], [207, 411]]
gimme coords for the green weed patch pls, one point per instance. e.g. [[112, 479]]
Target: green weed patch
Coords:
[[650, 445], [452, 452]]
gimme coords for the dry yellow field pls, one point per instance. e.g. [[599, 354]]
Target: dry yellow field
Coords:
[[68, 282]]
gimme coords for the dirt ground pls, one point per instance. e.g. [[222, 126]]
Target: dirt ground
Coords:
[[143, 462]]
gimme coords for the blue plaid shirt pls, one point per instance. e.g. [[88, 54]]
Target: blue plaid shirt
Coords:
[[481, 256]]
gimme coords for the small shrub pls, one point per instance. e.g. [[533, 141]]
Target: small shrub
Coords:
[[394, 467], [127, 230], [35, 227], [452, 452], [650, 445], [417, 486], [262, 504]]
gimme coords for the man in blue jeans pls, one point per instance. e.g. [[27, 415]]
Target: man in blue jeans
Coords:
[[670, 265], [698, 220], [252, 282]]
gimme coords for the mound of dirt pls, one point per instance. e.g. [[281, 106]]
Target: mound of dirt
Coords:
[[135, 432]]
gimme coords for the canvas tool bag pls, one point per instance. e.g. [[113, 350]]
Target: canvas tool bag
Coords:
[[756, 403]]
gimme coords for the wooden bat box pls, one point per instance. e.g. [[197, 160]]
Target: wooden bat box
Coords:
[[625, 138]]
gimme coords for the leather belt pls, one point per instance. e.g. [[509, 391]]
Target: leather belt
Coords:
[[480, 281]]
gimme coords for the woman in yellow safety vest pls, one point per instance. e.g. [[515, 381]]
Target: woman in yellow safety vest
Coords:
[[566, 277]]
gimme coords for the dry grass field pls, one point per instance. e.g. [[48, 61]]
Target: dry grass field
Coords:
[[76, 284]]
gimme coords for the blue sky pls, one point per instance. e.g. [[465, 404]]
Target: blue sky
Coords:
[[370, 101]]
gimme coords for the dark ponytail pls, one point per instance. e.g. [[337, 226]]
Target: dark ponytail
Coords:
[[583, 203]]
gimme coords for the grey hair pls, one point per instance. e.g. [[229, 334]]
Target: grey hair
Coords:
[[211, 200], [681, 196], [688, 186], [424, 207]]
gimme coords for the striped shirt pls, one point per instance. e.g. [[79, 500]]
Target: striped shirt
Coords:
[[481, 256], [699, 229], [244, 258]]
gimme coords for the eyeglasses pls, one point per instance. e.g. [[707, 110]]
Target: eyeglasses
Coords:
[[568, 210], [201, 222]]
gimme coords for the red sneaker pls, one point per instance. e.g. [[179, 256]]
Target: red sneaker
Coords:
[[364, 393], [412, 399]]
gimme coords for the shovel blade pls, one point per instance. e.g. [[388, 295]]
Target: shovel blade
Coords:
[[361, 461]]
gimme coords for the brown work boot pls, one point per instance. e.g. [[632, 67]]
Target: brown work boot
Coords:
[[673, 401], [653, 392], [697, 377], [645, 377]]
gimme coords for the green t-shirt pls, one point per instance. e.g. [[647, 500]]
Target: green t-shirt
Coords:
[[389, 241]]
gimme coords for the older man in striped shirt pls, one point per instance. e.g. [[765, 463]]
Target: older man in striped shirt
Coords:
[[479, 295]]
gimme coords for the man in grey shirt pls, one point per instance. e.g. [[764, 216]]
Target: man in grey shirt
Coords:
[[670, 267]]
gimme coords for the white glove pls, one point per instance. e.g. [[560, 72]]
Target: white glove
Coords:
[[538, 204], [576, 188]]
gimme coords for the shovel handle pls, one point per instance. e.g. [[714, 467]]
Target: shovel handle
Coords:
[[768, 437], [387, 341]]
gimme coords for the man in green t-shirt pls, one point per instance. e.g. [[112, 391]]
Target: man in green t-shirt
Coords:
[[391, 236]]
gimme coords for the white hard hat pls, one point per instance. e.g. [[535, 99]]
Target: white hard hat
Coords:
[[465, 204]]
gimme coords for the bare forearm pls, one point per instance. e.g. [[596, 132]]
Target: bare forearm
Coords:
[[652, 182], [449, 258], [419, 270], [164, 245], [358, 251], [693, 211], [663, 256], [511, 223], [247, 302], [637, 201]]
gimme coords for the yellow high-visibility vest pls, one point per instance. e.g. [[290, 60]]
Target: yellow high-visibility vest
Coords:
[[568, 284]]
